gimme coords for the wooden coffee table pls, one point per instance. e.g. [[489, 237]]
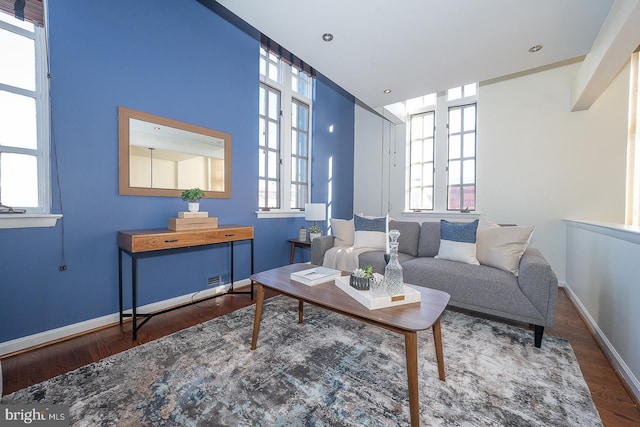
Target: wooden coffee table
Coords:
[[405, 319]]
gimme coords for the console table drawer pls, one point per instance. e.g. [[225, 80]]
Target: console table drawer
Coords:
[[228, 234], [154, 242]]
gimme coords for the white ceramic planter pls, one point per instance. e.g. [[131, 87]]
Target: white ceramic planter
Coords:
[[313, 236], [193, 206]]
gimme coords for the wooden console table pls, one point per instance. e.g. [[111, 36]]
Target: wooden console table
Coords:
[[146, 243]]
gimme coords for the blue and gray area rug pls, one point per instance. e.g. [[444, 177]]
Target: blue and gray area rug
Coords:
[[328, 371]]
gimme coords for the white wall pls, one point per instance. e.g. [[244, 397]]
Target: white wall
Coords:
[[603, 274], [164, 172], [371, 177], [539, 163]]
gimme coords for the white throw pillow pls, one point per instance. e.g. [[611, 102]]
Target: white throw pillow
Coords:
[[370, 232], [458, 242], [343, 230], [502, 247], [484, 223]]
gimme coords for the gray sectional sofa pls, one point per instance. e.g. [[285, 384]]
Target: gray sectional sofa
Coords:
[[529, 297]]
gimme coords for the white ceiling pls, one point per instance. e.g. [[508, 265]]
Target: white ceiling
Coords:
[[416, 47]]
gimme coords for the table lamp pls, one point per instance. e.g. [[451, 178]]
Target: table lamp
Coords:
[[315, 212]]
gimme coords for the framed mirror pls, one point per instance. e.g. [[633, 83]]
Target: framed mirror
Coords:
[[162, 157]]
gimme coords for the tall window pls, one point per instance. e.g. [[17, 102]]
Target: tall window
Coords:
[[284, 140], [24, 116], [269, 148], [421, 146], [442, 171], [461, 172], [299, 154]]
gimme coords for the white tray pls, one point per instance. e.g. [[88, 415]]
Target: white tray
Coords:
[[365, 298]]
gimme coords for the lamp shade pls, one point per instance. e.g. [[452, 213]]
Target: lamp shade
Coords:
[[315, 211]]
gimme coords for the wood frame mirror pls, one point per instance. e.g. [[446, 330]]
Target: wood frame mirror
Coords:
[[161, 157]]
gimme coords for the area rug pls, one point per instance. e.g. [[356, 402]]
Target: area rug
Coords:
[[328, 371]]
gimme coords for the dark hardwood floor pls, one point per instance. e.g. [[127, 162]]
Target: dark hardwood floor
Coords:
[[616, 405]]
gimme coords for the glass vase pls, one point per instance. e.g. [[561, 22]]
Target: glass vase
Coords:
[[393, 278]]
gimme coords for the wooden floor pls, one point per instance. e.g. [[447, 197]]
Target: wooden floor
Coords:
[[615, 404]]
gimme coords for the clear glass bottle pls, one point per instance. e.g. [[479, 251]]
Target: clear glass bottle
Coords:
[[393, 279]]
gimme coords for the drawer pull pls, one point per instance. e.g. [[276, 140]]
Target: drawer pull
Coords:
[[229, 235], [171, 241]]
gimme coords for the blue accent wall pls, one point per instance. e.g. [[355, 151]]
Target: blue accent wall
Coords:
[[333, 149], [174, 59]]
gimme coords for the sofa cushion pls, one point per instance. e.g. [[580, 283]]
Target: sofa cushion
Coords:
[[458, 242], [502, 247], [343, 230], [429, 239], [479, 288], [409, 236], [370, 232]]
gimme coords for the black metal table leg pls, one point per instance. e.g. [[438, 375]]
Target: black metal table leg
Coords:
[[134, 292], [231, 288], [120, 283]]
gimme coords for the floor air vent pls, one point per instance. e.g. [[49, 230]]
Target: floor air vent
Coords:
[[214, 281]]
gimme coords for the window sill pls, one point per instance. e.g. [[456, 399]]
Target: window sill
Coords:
[[28, 220], [280, 214]]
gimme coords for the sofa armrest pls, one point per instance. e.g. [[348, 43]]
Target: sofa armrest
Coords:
[[539, 283], [319, 246]]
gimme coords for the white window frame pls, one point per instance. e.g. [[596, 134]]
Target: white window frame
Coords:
[[464, 158], [39, 216], [411, 161], [287, 96], [441, 147]]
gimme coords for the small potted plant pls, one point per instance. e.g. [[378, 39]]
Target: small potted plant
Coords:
[[361, 278], [192, 196], [314, 231]]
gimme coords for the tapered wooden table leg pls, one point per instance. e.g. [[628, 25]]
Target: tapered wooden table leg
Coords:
[[300, 311], [411, 349], [258, 315], [437, 341]]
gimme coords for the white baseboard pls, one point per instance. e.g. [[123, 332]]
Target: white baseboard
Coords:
[[614, 357], [45, 337]]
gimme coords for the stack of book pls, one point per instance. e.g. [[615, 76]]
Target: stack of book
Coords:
[[315, 276], [192, 221]]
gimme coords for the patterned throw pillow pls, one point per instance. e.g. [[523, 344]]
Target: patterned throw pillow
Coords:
[[458, 242], [370, 232]]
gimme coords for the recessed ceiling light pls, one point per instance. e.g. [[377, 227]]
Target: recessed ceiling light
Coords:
[[387, 91], [536, 48], [327, 37]]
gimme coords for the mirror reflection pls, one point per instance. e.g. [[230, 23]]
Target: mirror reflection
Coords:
[[160, 156]]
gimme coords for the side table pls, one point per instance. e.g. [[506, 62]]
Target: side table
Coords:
[[297, 243]]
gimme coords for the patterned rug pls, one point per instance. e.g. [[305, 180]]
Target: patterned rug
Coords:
[[328, 371]]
